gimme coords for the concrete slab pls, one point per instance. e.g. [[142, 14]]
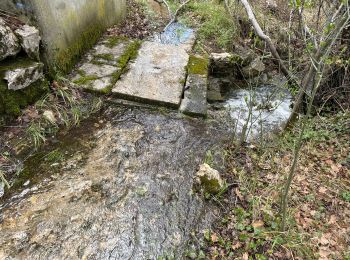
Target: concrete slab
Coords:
[[100, 67], [194, 102], [157, 75]]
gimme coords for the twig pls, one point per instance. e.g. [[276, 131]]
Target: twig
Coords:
[[174, 17]]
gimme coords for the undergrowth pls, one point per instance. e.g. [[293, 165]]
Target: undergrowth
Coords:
[[319, 212], [215, 26]]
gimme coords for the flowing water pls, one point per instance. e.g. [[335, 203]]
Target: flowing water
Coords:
[[124, 192], [125, 187], [271, 107]]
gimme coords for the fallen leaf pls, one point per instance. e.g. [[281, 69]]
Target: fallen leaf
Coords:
[[239, 194], [322, 190], [214, 238], [258, 224], [245, 256], [332, 220], [324, 239], [236, 246]]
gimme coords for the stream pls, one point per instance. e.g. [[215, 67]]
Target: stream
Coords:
[[125, 187], [126, 193]]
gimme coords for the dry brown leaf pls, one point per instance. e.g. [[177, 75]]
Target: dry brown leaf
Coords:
[[214, 238], [245, 256], [332, 220], [324, 239], [239, 194], [258, 224], [324, 252], [322, 190], [236, 246]]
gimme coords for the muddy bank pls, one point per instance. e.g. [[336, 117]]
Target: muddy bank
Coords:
[[127, 196]]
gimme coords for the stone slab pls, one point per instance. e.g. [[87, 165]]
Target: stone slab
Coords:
[[194, 102], [22, 75], [157, 75], [97, 70]]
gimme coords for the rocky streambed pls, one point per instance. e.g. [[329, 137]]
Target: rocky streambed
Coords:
[[124, 192]]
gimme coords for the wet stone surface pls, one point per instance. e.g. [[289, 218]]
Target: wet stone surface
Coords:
[[159, 72], [194, 102], [131, 198], [99, 67]]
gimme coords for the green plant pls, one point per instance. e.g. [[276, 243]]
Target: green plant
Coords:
[[214, 24], [37, 134], [345, 195]]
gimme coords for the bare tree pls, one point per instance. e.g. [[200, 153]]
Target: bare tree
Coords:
[[326, 41], [311, 82]]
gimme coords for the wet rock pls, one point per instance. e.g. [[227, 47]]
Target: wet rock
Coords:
[[19, 240], [209, 179], [130, 199], [255, 68], [9, 44], [222, 64], [217, 87], [194, 102], [29, 39], [23, 77]]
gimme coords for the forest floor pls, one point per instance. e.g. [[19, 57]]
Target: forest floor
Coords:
[[319, 206]]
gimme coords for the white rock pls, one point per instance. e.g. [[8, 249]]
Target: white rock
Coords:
[[49, 116], [21, 78], [30, 40], [9, 44], [209, 179], [272, 5]]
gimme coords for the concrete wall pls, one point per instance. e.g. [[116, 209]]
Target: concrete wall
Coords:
[[68, 27]]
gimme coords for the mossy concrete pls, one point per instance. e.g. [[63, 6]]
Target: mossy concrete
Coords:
[[68, 28], [103, 65]]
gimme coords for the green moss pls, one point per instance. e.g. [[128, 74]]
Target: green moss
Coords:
[[129, 54], [12, 101], [197, 65], [114, 41], [85, 79], [106, 56], [66, 58]]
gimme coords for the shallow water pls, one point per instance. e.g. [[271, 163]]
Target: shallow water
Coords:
[[271, 109], [124, 194], [175, 34]]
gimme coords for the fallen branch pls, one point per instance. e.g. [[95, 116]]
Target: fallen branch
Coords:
[[290, 77]]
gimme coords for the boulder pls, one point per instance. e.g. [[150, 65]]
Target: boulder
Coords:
[[221, 64], [22, 77], [9, 44], [255, 68], [216, 88], [30, 40], [209, 179], [243, 55]]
